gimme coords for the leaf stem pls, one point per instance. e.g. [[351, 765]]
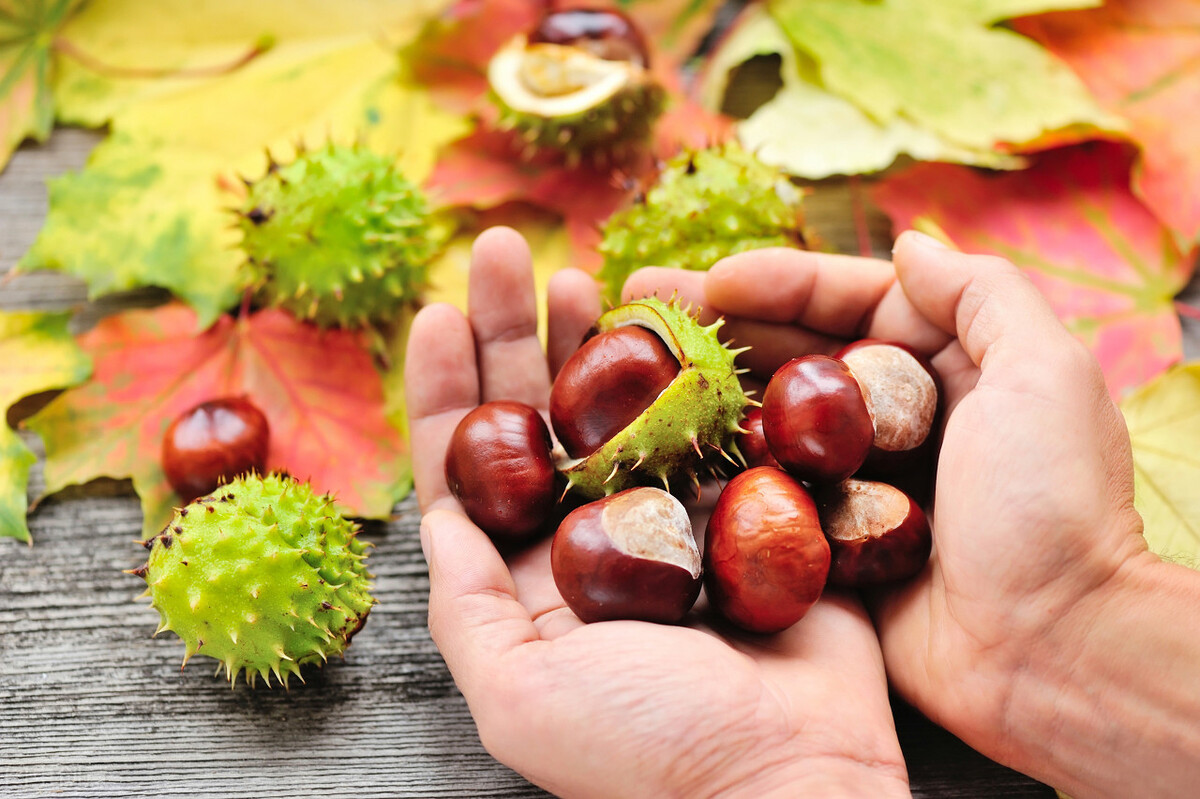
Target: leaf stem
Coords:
[[71, 50]]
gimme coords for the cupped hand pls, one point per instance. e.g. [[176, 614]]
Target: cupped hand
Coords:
[[1033, 514], [617, 708]]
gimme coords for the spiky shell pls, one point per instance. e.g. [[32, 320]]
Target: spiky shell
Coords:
[[705, 204], [338, 236], [606, 119], [263, 575], [692, 420]]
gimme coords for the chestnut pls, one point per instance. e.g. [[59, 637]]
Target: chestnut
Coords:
[[630, 555], [213, 442], [604, 33], [903, 393], [753, 444], [765, 557], [876, 532], [499, 467], [606, 384], [816, 419]]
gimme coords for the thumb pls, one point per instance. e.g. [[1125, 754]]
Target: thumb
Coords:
[[474, 615]]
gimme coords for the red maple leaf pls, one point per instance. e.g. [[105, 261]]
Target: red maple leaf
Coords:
[[319, 390], [1142, 60], [1106, 263]]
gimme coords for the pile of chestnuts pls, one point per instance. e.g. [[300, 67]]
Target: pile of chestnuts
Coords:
[[814, 500]]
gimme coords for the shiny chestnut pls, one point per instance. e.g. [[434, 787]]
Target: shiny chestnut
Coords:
[[212, 443], [604, 33], [606, 384], [628, 556], [765, 557], [903, 392], [876, 532], [753, 443], [499, 467], [816, 419]]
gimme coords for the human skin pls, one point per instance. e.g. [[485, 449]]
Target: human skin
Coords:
[[1042, 632], [618, 708]]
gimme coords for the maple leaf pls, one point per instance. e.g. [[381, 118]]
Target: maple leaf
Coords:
[[151, 207], [36, 354], [27, 34], [1164, 427], [1109, 268], [319, 390], [803, 128], [1142, 60], [946, 68]]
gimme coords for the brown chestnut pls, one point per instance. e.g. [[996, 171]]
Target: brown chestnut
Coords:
[[765, 557], [877, 533], [816, 420], [627, 556], [606, 384], [903, 393], [213, 442], [753, 444], [604, 33], [499, 466]]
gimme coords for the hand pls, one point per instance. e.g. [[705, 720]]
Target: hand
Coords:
[[1017, 635], [617, 708]]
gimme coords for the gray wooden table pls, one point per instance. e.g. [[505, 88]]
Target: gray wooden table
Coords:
[[91, 705]]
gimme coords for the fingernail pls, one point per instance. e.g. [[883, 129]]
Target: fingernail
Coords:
[[925, 240]]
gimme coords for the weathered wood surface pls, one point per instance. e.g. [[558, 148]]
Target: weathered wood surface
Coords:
[[91, 705]]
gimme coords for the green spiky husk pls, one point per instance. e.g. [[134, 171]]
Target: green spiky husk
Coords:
[[695, 418], [608, 132], [263, 575], [705, 205], [338, 237]]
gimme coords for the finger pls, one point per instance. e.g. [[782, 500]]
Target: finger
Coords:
[[573, 302], [442, 385], [982, 300], [502, 307], [657, 281], [841, 297], [474, 616], [772, 345]]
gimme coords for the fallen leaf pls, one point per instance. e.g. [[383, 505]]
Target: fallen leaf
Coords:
[[806, 130], [1164, 426], [480, 172], [36, 354], [1105, 262], [945, 67], [320, 392], [1141, 60], [151, 207], [27, 34]]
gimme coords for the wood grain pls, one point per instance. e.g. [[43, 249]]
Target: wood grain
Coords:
[[92, 706]]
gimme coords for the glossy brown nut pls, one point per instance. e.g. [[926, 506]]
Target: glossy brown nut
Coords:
[[212, 443], [628, 556], [765, 557], [877, 533], [604, 33], [816, 420], [903, 392], [753, 445], [499, 466], [606, 384]]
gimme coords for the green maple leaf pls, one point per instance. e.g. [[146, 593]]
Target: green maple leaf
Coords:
[[1164, 427], [27, 34], [946, 68], [36, 354], [152, 207]]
